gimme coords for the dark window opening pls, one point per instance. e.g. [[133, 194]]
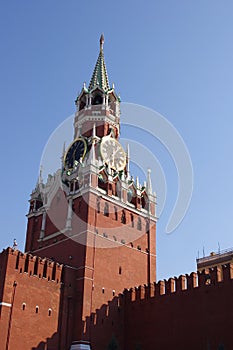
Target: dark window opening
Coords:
[[82, 105], [106, 210], [139, 225], [116, 214], [147, 227], [123, 217], [98, 206], [98, 100], [132, 220]]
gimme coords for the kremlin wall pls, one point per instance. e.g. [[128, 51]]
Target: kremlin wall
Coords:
[[87, 279], [192, 311]]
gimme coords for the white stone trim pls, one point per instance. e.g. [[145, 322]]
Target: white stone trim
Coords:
[[94, 233], [84, 278], [85, 267], [115, 201], [2, 303], [55, 234]]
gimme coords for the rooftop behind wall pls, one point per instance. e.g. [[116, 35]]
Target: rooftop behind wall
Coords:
[[219, 258]]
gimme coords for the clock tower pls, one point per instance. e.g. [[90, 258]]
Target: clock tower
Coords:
[[91, 216]]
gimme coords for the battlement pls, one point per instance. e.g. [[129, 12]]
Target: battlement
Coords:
[[33, 265], [188, 296], [196, 280]]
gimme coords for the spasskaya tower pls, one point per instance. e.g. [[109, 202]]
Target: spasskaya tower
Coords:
[[91, 216]]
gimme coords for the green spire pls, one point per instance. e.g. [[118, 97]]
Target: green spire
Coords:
[[100, 75]]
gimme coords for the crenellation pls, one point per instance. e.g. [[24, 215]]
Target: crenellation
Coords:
[[40, 268], [34, 266], [170, 286], [21, 264], [50, 270], [160, 288], [215, 274], [202, 277], [148, 290], [129, 294], [137, 292], [227, 272], [175, 285], [192, 281], [181, 283], [142, 291]]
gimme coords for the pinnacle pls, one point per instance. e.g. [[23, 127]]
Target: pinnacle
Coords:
[[100, 76]]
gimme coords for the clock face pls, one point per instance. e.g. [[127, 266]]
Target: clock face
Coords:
[[76, 151], [113, 153]]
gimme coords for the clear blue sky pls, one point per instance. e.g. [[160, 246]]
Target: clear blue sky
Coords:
[[175, 57]]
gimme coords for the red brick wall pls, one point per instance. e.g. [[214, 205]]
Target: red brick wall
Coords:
[[190, 312], [193, 318], [25, 291]]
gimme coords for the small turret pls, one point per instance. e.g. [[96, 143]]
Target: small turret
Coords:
[[15, 245]]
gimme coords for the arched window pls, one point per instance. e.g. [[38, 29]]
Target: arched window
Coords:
[[123, 217], [116, 214], [23, 306], [49, 312], [98, 205], [132, 220], [147, 227], [37, 309], [129, 195], [82, 103], [106, 209], [97, 100], [139, 225]]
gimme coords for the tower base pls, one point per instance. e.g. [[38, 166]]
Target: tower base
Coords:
[[80, 345]]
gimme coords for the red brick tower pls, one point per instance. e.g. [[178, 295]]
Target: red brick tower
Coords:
[[91, 216]]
